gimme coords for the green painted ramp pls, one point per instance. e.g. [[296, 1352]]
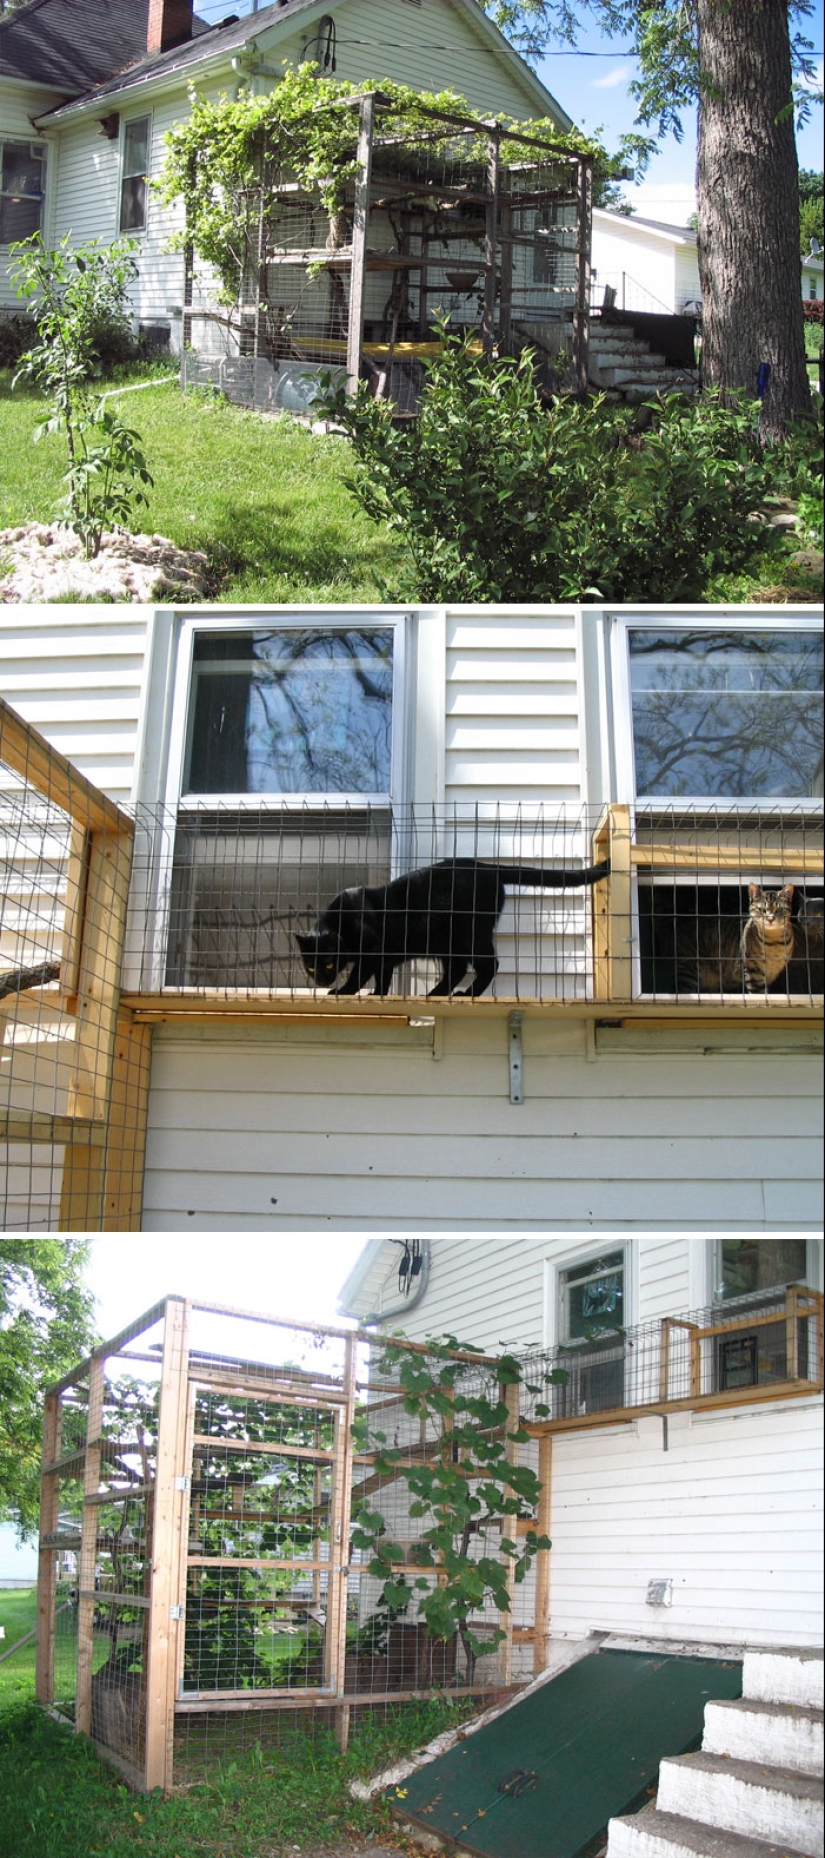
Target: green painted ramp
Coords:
[[543, 1780]]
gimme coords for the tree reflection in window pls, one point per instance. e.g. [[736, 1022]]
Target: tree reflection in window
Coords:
[[727, 715], [299, 710]]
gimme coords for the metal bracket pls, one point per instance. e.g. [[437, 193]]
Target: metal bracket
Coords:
[[516, 1058], [182, 1483], [176, 1612]]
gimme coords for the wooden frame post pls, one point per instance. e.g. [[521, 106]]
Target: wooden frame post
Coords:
[[126, 1133], [543, 1527], [505, 1619], [170, 1482], [488, 321], [581, 313], [620, 907], [46, 1564], [360, 228], [88, 1547], [335, 1647]]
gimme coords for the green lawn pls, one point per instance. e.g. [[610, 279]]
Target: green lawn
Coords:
[[262, 497], [249, 1800]]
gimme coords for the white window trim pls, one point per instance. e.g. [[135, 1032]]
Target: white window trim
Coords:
[[145, 116], [164, 725], [568, 1260], [727, 619], [813, 1270]]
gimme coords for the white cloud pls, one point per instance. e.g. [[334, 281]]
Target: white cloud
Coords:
[[621, 74]]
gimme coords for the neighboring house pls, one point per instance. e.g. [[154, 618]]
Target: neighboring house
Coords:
[[650, 266], [813, 269], [88, 94], [618, 1074], [18, 1560], [698, 1523]]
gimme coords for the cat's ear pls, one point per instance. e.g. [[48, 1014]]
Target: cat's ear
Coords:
[[305, 942], [787, 893], [754, 891]]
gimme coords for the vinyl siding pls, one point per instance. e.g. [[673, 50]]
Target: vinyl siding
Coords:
[[293, 1130], [728, 1507], [79, 682]]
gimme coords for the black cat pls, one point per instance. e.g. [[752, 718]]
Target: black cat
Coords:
[[446, 912]]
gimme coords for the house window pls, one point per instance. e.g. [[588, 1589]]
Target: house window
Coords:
[[591, 1318], [726, 713], [22, 186], [134, 184], [751, 1276], [290, 755]]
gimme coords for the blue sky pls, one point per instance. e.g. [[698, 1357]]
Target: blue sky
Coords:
[[591, 84]]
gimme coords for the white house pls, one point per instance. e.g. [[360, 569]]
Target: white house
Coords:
[[694, 1523], [617, 1074], [649, 266], [88, 97]]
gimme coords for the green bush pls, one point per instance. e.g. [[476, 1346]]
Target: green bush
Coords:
[[17, 333], [498, 496]]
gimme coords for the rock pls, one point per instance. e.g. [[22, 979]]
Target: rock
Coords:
[[42, 562]]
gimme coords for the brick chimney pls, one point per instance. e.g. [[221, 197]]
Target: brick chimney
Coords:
[[170, 23]]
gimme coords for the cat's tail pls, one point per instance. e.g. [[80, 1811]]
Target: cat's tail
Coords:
[[553, 880]]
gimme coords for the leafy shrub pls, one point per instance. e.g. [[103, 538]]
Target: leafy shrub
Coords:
[[79, 299], [498, 496]]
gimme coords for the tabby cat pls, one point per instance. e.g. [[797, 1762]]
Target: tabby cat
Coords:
[[767, 936], [445, 912]]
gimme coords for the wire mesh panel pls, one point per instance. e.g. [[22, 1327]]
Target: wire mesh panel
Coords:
[[559, 905], [65, 856]]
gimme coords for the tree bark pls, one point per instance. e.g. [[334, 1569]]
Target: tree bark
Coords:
[[748, 209]]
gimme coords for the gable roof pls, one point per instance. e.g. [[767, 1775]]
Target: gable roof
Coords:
[[73, 45], [218, 44], [678, 235]]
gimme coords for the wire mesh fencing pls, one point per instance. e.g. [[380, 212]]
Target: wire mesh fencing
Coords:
[[456, 219], [65, 855], [546, 905]]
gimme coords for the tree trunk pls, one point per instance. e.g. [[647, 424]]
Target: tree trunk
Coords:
[[748, 208]]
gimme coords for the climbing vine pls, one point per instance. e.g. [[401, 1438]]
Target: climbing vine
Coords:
[[475, 1502], [218, 159]]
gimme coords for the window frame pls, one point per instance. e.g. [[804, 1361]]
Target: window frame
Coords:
[[613, 1338], [182, 709], [21, 141], [131, 122], [733, 619]]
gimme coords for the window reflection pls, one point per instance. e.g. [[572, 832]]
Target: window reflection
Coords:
[[291, 711], [728, 715]]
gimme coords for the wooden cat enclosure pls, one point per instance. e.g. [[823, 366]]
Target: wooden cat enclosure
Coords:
[[225, 902], [199, 1589], [460, 218], [73, 1067], [201, 1471]]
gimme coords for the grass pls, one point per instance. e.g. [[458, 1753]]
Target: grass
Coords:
[[263, 498], [256, 1800], [267, 502]]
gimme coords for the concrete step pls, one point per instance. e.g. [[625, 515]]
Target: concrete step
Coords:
[[654, 1834], [787, 1675], [745, 1797], [780, 1734]]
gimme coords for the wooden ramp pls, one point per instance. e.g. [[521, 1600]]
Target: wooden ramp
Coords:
[[543, 1779]]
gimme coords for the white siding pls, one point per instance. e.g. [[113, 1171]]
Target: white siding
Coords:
[[639, 262], [726, 1506], [513, 708], [258, 1129], [79, 680]]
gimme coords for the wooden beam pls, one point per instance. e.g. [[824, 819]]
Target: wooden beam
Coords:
[[505, 1618], [46, 1565], [29, 755], [619, 930], [360, 229], [166, 1553], [88, 1551], [581, 313], [543, 1527], [126, 1140], [393, 1011]]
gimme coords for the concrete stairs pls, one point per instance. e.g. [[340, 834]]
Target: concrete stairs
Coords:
[[626, 368], [754, 1790]]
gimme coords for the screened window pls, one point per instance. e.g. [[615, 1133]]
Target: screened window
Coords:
[[726, 714], [292, 712], [133, 180], [745, 1266], [592, 1305], [22, 184], [751, 1275]]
